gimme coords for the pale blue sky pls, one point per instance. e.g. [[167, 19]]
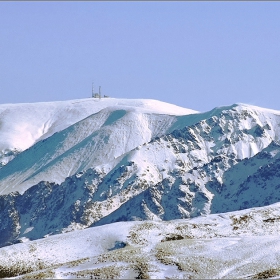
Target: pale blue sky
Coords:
[[198, 55]]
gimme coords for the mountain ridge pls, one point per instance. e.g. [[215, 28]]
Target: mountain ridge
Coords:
[[24, 124], [180, 169]]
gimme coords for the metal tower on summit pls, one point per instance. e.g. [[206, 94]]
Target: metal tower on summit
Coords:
[[95, 94]]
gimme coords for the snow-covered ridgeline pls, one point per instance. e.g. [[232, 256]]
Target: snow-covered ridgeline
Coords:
[[115, 129], [22, 125]]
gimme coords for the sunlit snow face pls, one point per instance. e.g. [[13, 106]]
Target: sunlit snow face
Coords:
[[125, 163]]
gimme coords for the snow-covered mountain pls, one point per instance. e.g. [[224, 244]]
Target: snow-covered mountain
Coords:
[[91, 162]]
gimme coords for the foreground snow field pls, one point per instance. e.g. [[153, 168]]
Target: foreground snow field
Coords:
[[119, 188], [242, 244]]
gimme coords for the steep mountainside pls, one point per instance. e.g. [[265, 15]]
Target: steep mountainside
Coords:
[[95, 140], [22, 125], [127, 162]]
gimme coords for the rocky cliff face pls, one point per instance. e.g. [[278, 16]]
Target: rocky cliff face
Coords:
[[155, 167]]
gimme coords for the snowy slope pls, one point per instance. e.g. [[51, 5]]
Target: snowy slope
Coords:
[[95, 140], [238, 245], [22, 125]]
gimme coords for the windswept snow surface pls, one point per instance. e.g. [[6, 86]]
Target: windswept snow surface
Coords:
[[22, 125], [86, 129]]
